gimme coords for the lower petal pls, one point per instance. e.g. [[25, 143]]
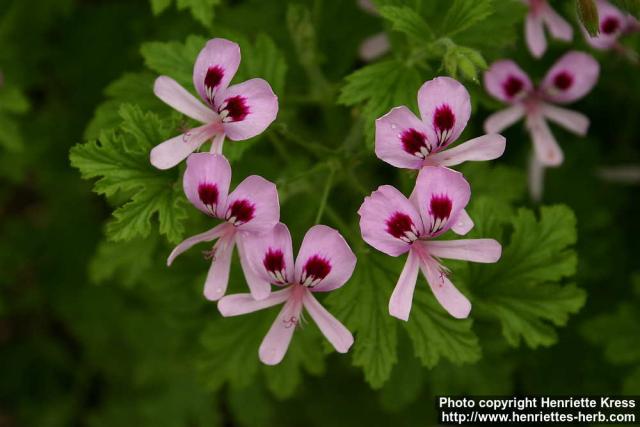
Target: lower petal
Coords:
[[449, 297], [235, 305], [207, 236], [558, 26], [476, 250], [571, 120], [534, 34], [463, 224], [374, 47], [171, 152], [547, 149], [536, 178], [171, 93], [501, 120], [402, 296], [218, 276], [486, 147], [335, 332], [275, 344]]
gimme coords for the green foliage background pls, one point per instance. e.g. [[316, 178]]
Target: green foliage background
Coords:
[[96, 331]]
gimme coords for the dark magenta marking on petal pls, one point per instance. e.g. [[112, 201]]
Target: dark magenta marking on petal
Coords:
[[274, 261], [443, 118], [413, 142], [241, 211], [610, 25], [440, 207], [400, 225], [512, 86], [208, 194], [316, 268], [563, 80], [214, 77], [236, 107]]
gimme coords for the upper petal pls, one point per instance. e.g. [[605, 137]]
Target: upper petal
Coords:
[[445, 107], [389, 221], [206, 182], [506, 81], [214, 68], [401, 139], [247, 109], [270, 255], [174, 95], [325, 260], [571, 78], [440, 195], [253, 206]]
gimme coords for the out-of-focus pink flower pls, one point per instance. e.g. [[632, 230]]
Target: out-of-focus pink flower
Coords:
[[324, 263], [252, 208], [541, 15], [396, 225], [238, 112], [376, 45], [613, 24]]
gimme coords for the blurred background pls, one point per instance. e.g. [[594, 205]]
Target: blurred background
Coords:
[[96, 331]]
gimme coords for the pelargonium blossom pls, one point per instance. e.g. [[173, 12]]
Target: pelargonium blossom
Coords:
[[252, 208], [238, 112], [395, 225], [324, 263], [569, 79], [613, 24], [539, 15]]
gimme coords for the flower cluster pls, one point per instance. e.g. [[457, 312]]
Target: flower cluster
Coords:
[[395, 224], [250, 214]]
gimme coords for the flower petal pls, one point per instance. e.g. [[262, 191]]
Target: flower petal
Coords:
[[247, 109], [270, 255], [382, 216], [402, 296], [171, 152], [535, 175], [374, 47], [545, 146], [259, 288], [445, 107], [463, 225], [401, 139], [214, 68], [440, 195], [557, 25], [218, 276], [502, 119], [573, 121], [449, 297], [335, 332], [476, 250], [326, 245], [253, 206], [506, 81], [612, 23], [235, 305], [486, 147], [206, 182], [207, 236], [177, 97], [534, 35], [275, 344], [571, 78]]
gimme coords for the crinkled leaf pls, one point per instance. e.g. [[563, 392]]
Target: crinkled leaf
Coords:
[[464, 14], [173, 59], [407, 21]]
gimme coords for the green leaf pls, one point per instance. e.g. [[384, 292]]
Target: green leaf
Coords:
[[120, 161], [201, 10], [407, 21], [631, 6], [362, 305], [173, 59], [464, 14], [113, 259], [12, 100], [159, 6]]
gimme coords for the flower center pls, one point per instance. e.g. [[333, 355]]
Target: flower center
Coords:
[[610, 25], [234, 109], [512, 86], [240, 212], [400, 226], [274, 263], [208, 194], [212, 81], [563, 80], [440, 210], [443, 121], [415, 142], [315, 269]]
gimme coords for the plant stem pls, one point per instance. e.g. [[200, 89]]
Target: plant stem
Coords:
[[325, 194]]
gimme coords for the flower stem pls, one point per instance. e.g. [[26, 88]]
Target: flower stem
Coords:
[[325, 194]]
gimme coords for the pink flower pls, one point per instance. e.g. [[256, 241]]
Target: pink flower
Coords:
[[541, 14], [570, 78], [613, 24], [238, 112], [252, 208], [396, 225], [324, 263], [406, 141]]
